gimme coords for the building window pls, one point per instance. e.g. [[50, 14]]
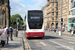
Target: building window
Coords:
[[56, 13], [56, 8], [52, 13], [69, 12], [73, 4], [56, 4], [2, 1], [52, 18], [6, 1], [56, 18], [52, 9], [53, 4], [73, 12]]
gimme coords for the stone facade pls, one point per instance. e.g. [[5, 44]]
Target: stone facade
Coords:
[[45, 15], [52, 14], [65, 12], [4, 13]]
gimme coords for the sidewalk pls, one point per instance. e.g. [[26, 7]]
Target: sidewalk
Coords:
[[64, 34], [16, 44]]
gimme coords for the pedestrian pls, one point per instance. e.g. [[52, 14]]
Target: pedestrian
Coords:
[[73, 32], [57, 30], [11, 33], [49, 29], [70, 31], [0, 38], [3, 36], [0, 28], [54, 30], [7, 30]]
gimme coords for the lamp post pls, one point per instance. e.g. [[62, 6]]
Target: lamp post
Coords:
[[60, 32]]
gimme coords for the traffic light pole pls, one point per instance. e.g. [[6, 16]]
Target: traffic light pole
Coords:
[[17, 27], [18, 23], [60, 32]]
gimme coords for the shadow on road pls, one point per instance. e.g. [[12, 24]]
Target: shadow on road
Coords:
[[46, 37], [12, 45], [51, 37]]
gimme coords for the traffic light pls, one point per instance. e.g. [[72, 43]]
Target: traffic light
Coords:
[[61, 21], [18, 21]]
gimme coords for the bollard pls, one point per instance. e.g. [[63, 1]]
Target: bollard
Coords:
[[15, 33], [59, 33]]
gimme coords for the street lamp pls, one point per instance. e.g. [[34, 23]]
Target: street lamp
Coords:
[[60, 32]]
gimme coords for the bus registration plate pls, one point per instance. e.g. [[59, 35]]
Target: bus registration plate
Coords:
[[35, 36]]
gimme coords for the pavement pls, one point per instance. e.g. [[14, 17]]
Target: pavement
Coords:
[[64, 34], [50, 40], [16, 44]]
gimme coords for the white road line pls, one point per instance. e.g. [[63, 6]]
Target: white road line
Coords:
[[61, 45], [68, 39], [43, 43], [72, 42]]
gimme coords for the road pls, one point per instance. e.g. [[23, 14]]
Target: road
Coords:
[[50, 42]]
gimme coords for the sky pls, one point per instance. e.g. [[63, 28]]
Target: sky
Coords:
[[21, 6]]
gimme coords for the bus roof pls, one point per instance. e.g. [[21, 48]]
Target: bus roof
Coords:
[[34, 10]]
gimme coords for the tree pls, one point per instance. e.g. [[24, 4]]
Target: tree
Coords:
[[25, 18], [14, 18]]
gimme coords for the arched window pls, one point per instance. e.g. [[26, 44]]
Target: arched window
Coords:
[[2, 1]]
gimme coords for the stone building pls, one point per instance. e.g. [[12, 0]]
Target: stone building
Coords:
[[71, 16], [65, 13], [52, 14], [45, 15], [4, 13]]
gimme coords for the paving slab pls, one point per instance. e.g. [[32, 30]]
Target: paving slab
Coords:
[[16, 44]]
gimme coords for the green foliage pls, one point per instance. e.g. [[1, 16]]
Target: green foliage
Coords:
[[25, 17], [14, 19]]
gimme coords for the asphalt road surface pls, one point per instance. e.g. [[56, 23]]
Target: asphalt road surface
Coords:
[[49, 42]]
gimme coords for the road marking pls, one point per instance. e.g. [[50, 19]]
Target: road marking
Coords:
[[25, 44], [72, 42], [29, 48], [43, 43], [61, 45]]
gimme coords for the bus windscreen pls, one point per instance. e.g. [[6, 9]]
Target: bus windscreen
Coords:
[[35, 20]]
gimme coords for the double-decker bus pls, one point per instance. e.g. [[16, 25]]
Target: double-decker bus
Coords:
[[34, 24]]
